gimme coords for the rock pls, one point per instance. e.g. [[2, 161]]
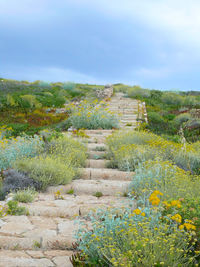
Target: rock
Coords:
[[107, 92]]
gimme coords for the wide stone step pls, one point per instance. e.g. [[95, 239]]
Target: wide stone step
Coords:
[[30, 258], [105, 174], [90, 187], [96, 139], [100, 163], [44, 212], [96, 147], [99, 132], [96, 155]]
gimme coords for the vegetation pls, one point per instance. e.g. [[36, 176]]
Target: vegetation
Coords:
[[92, 116], [30, 107], [38, 163], [129, 149], [169, 111], [14, 209], [25, 195]]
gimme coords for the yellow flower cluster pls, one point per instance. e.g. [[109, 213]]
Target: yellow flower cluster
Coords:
[[177, 217], [173, 203], [139, 212], [154, 199], [188, 225]]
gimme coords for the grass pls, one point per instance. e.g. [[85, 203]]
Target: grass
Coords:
[[25, 196]]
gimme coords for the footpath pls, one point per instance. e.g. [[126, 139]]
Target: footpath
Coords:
[[45, 237]]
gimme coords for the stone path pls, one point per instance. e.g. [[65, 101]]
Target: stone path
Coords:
[[45, 237]]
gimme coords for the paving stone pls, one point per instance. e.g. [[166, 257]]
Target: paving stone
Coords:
[[100, 163], [107, 187], [57, 253], [63, 261], [16, 225], [96, 147], [24, 262], [107, 174], [36, 254]]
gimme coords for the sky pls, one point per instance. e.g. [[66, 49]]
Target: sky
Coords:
[[151, 43]]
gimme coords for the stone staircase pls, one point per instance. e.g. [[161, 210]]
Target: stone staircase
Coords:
[[45, 237]]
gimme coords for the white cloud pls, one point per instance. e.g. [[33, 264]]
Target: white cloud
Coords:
[[148, 73], [52, 74], [177, 18]]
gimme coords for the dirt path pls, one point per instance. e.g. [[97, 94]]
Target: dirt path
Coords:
[[40, 238]]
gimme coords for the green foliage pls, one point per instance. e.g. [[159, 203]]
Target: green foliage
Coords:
[[47, 170], [69, 86], [58, 164], [98, 194], [128, 149], [89, 116], [14, 209], [18, 148], [138, 92], [70, 192], [182, 118], [30, 101], [134, 238], [172, 99], [10, 100], [26, 195]]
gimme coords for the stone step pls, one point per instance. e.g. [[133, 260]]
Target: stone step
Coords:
[[96, 155], [45, 211], [30, 258], [100, 163], [90, 187], [96, 139], [99, 132], [96, 147], [105, 174]]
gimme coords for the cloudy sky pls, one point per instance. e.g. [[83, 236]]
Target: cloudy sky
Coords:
[[153, 43]]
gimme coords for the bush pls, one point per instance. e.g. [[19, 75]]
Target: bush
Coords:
[[128, 149], [191, 101], [140, 237], [14, 209], [18, 148], [69, 86], [172, 99], [46, 170], [14, 180], [87, 116], [156, 121], [26, 195], [160, 175], [138, 92], [57, 165], [182, 118]]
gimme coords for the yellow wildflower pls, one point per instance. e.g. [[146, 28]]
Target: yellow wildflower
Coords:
[[137, 211], [177, 217]]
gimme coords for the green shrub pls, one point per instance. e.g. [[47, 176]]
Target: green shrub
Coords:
[[191, 101], [172, 99], [25, 196], [138, 92], [86, 116], [160, 175], [14, 209], [58, 164], [156, 121], [18, 148], [47, 170], [69, 86], [128, 149], [182, 118], [134, 238]]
